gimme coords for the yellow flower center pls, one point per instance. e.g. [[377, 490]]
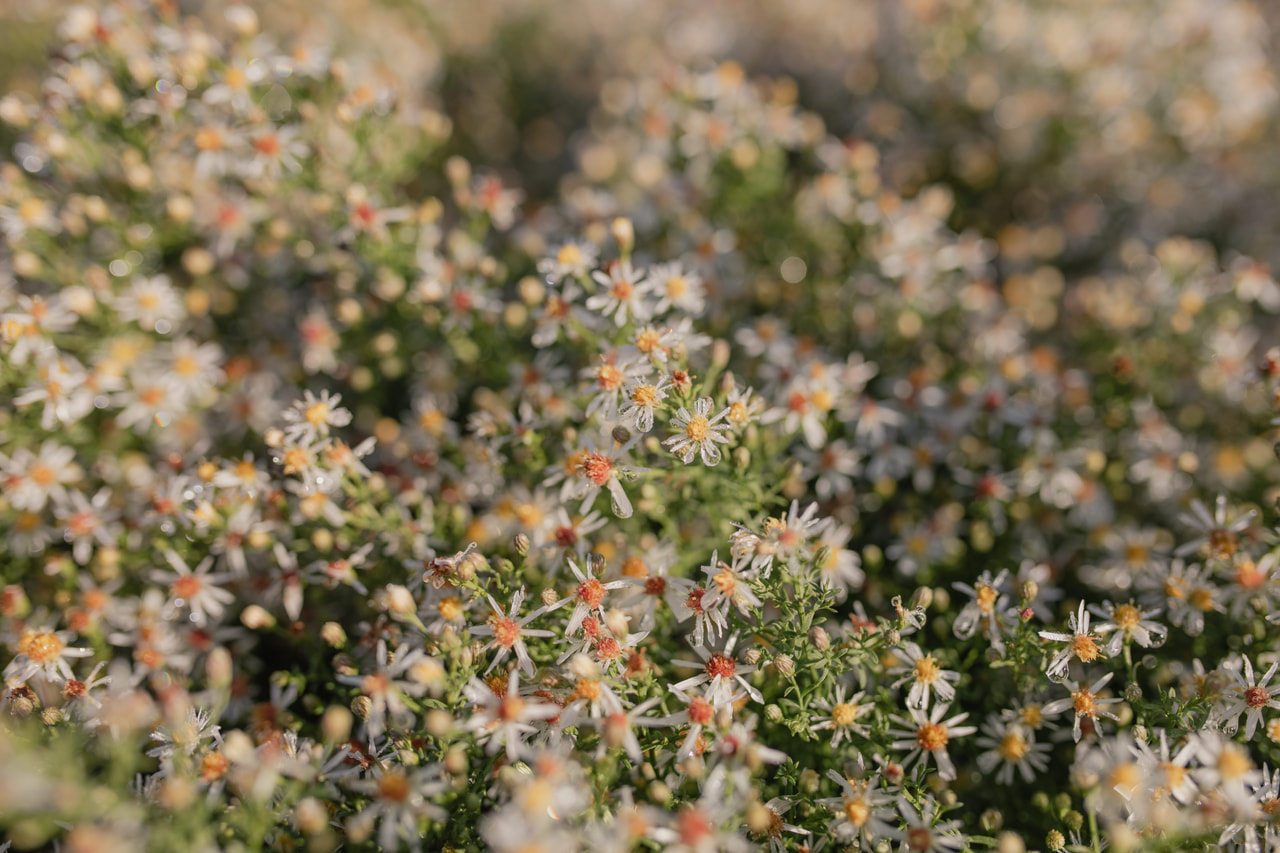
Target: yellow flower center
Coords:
[[41, 646], [698, 428]]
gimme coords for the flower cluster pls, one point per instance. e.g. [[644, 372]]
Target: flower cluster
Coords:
[[747, 491]]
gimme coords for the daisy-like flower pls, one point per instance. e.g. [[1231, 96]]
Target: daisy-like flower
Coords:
[[399, 799], [843, 715], [624, 294], [308, 420], [42, 651], [925, 833], [987, 611], [571, 260], [1219, 531], [1084, 702], [1186, 591], [745, 407], [509, 632], [33, 479], [1011, 746], [642, 397], [924, 675], [504, 714], [677, 288], [1081, 644], [152, 303], [387, 686], [1249, 695], [781, 540], [726, 586], [1125, 622], [598, 470], [196, 590], [862, 811], [698, 433], [587, 598], [928, 735], [719, 672]]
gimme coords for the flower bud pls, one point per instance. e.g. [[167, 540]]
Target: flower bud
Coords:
[[810, 781], [820, 638], [1030, 589], [751, 657], [784, 664], [439, 722], [1073, 820], [922, 598], [772, 713], [362, 707], [336, 724], [659, 792], [333, 634], [991, 820], [400, 601], [521, 543], [256, 617], [597, 562], [1133, 692], [549, 597], [823, 557], [1055, 841], [741, 458], [311, 816], [1010, 842], [621, 434], [624, 232], [455, 760]]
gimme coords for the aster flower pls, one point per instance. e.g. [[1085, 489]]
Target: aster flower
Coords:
[[509, 632], [310, 419], [1012, 747], [925, 676], [625, 294], [1248, 695], [503, 715], [842, 715], [1082, 644], [1084, 702], [925, 735], [698, 433], [42, 651], [719, 672], [1125, 623], [863, 813]]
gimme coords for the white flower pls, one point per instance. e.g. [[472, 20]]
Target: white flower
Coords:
[[1081, 644], [311, 418], [624, 294], [928, 735]]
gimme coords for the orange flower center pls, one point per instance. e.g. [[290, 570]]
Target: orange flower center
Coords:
[[932, 736], [41, 646]]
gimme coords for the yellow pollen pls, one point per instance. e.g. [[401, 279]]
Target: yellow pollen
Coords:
[[932, 736], [645, 395], [857, 812], [927, 670], [1013, 747], [698, 428], [1085, 647], [41, 646], [677, 286], [1233, 763], [986, 597], [1201, 598], [450, 609], [317, 414], [1126, 616], [843, 714], [1084, 704], [43, 475], [569, 255]]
